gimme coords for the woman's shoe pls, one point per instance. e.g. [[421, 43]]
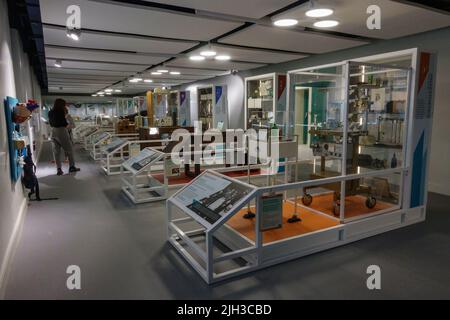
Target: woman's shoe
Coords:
[[74, 169], [60, 172]]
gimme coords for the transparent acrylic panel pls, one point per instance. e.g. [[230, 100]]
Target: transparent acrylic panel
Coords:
[[172, 102], [260, 103], [372, 195], [317, 101], [304, 210], [377, 108], [205, 107]]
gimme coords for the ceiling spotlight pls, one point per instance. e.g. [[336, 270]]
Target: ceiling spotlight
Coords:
[[58, 63], [117, 90], [223, 58], [108, 93], [208, 53], [148, 80], [134, 80], [162, 71], [108, 90], [197, 58], [94, 95], [319, 12], [175, 73], [100, 93], [156, 73], [326, 24], [73, 34], [285, 22]]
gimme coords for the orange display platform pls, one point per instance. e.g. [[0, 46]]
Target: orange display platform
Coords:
[[182, 179], [310, 222], [354, 205]]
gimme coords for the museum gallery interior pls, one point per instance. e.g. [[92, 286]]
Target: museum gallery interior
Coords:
[[197, 149]]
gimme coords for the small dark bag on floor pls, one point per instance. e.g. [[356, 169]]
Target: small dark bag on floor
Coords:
[[29, 178]]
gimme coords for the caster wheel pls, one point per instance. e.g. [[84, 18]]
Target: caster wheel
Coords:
[[307, 199], [371, 202], [336, 209]]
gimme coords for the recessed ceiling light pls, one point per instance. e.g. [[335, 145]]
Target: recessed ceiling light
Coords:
[[108, 90], [326, 24], [94, 95], [285, 22], [134, 80], [101, 95], [175, 73], [58, 63], [162, 71], [100, 92], [73, 34], [223, 57], [156, 73], [208, 53], [197, 58], [117, 90], [148, 80], [108, 93], [319, 12]]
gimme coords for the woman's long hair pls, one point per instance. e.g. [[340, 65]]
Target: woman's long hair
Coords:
[[59, 106]]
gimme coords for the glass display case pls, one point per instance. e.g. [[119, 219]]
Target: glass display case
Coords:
[[205, 107], [360, 169], [213, 107], [265, 103], [350, 118]]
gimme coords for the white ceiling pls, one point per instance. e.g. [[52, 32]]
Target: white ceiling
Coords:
[[57, 36], [213, 64], [95, 55], [259, 56], [285, 39], [254, 9], [136, 20], [120, 39], [397, 19]]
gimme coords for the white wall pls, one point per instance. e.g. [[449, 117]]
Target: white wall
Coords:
[[11, 197], [16, 80], [439, 174]]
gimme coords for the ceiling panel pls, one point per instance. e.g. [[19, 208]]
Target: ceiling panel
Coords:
[[398, 19], [72, 77], [69, 89], [73, 71], [196, 69], [57, 36], [254, 9], [98, 66], [93, 55], [261, 56], [136, 20], [274, 38], [213, 64]]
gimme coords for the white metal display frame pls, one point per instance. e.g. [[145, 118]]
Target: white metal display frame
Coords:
[[259, 255], [79, 133], [137, 191], [111, 161], [275, 78]]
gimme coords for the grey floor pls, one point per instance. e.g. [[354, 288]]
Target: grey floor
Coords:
[[122, 253]]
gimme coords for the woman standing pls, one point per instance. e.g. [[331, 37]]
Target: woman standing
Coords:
[[60, 135]]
